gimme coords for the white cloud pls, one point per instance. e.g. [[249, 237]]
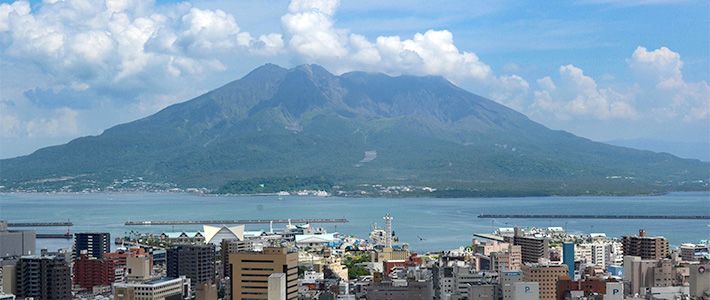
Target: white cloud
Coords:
[[578, 95], [106, 45], [62, 122], [663, 70], [660, 92], [309, 25], [662, 65], [311, 33]]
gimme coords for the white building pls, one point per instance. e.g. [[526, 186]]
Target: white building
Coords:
[[526, 290], [215, 235], [159, 289]]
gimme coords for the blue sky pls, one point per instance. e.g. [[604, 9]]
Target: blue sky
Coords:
[[602, 69]]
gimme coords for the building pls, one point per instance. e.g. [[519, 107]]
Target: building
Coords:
[[532, 248], [644, 246], [215, 235], [546, 276], [43, 277], [94, 243], [206, 291], [526, 291], [9, 278], [159, 289], [277, 286], [642, 274], [91, 272], [183, 237], [507, 280], [693, 252], [250, 271], [465, 277], [134, 264], [699, 280], [138, 267], [196, 262], [509, 259], [16, 242], [484, 292], [401, 289], [568, 258], [228, 246], [570, 289]]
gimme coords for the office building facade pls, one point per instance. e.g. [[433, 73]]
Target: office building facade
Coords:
[[94, 243], [196, 262], [159, 289], [546, 276], [251, 270]]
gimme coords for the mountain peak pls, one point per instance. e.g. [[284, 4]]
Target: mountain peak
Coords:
[[305, 122]]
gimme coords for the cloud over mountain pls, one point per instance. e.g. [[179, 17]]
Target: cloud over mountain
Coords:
[[132, 58]]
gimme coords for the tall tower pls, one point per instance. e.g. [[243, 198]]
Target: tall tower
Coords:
[[388, 230]]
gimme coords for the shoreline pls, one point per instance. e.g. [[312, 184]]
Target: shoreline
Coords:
[[400, 196]]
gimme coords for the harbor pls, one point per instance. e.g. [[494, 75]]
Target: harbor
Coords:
[[229, 222], [630, 217]]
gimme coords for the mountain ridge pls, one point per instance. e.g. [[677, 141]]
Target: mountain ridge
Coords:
[[305, 122]]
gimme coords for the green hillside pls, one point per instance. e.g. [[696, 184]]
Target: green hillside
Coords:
[[304, 127]]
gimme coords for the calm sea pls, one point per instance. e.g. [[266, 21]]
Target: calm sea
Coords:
[[426, 224]]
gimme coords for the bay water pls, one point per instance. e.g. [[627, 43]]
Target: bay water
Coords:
[[427, 224]]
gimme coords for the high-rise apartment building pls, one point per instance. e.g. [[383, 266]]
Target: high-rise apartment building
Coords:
[[43, 277], [251, 270], [196, 262], [532, 248], [644, 246], [94, 243], [91, 272]]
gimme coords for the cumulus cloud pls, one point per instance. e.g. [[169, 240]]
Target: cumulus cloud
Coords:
[[311, 32], [660, 92], [127, 51], [109, 43], [134, 52], [578, 95], [662, 66], [663, 70]]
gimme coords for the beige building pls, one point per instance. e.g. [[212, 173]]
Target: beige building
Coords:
[[509, 259], [251, 270], [9, 279], [277, 286], [138, 267], [390, 254], [206, 291], [546, 276], [488, 247], [699, 280], [159, 289]]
